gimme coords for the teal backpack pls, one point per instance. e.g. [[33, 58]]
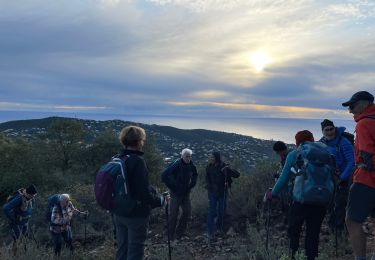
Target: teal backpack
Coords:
[[314, 169]]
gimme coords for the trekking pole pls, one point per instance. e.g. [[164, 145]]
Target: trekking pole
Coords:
[[168, 234], [224, 199], [81, 212], [85, 218], [224, 202], [268, 221], [335, 214]]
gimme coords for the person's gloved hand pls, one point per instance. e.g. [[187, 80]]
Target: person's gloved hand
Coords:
[[225, 168], [343, 184], [268, 196], [166, 198]]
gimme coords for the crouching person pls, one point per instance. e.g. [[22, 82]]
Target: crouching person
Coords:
[[62, 213], [18, 211], [131, 228], [308, 201]]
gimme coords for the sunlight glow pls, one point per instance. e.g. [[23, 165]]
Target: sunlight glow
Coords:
[[271, 111], [259, 60]]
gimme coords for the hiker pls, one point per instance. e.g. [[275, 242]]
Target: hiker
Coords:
[[131, 231], [180, 177], [282, 150], [218, 180], [341, 148], [18, 210], [361, 201], [60, 226], [301, 211]]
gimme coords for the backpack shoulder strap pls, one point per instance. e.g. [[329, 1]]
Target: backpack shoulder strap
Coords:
[[121, 161], [371, 116]]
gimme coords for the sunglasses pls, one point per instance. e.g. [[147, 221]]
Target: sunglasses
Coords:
[[352, 106], [329, 129]]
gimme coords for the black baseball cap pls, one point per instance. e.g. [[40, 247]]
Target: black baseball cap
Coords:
[[361, 95]]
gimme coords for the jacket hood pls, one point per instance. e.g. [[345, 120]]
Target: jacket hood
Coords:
[[339, 131], [370, 110]]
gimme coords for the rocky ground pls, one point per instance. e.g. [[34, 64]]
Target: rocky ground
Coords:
[[237, 243]]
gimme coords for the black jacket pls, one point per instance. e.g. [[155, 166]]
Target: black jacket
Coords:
[[219, 178], [180, 177], [139, 186]]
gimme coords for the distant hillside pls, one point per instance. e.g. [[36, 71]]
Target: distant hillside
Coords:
[[170, 140]]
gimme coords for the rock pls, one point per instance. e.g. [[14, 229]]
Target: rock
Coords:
[[231, 232], [198, 238]]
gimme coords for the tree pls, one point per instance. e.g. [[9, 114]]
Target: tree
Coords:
[[67, 138]]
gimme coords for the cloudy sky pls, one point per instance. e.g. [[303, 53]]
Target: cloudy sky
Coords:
[[203, 58]]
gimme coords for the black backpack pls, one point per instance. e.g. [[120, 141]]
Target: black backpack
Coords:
[[350, 137]]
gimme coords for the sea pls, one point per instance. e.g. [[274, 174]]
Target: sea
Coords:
[[283, 129]]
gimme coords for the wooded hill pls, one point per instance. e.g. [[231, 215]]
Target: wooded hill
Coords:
[[168, 140]]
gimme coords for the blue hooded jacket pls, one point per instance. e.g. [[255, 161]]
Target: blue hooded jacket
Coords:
[[18, 211], [343, 151]]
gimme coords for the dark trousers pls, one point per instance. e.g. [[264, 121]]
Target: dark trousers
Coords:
[[175, 203], [131, 235], [57, 240], [313, 216], [17, 230], [216, 207], [338, 210]]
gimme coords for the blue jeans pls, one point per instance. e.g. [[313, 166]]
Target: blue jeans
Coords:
[[216, 207], [131, 235], [56, 237]]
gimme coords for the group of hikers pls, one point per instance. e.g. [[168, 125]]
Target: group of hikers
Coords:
[[341, 181], [331, 174], [59, 213]]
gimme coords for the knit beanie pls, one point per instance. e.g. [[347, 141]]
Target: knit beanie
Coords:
[[31, 190], [279, 146], [304, 135], [326, 122]]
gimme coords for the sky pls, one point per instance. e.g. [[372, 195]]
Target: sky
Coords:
[[203, 59]]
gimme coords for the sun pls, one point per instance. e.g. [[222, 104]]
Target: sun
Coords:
[[259, 60]]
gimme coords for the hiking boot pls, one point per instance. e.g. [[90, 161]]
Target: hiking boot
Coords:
[[211, 239]]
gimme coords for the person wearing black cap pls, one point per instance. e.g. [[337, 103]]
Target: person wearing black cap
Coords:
[[18, 211], [343, 152], [218, 180], [361, 202]]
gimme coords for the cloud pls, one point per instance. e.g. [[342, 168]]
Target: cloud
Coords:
[[145, 56], [43, 107]]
